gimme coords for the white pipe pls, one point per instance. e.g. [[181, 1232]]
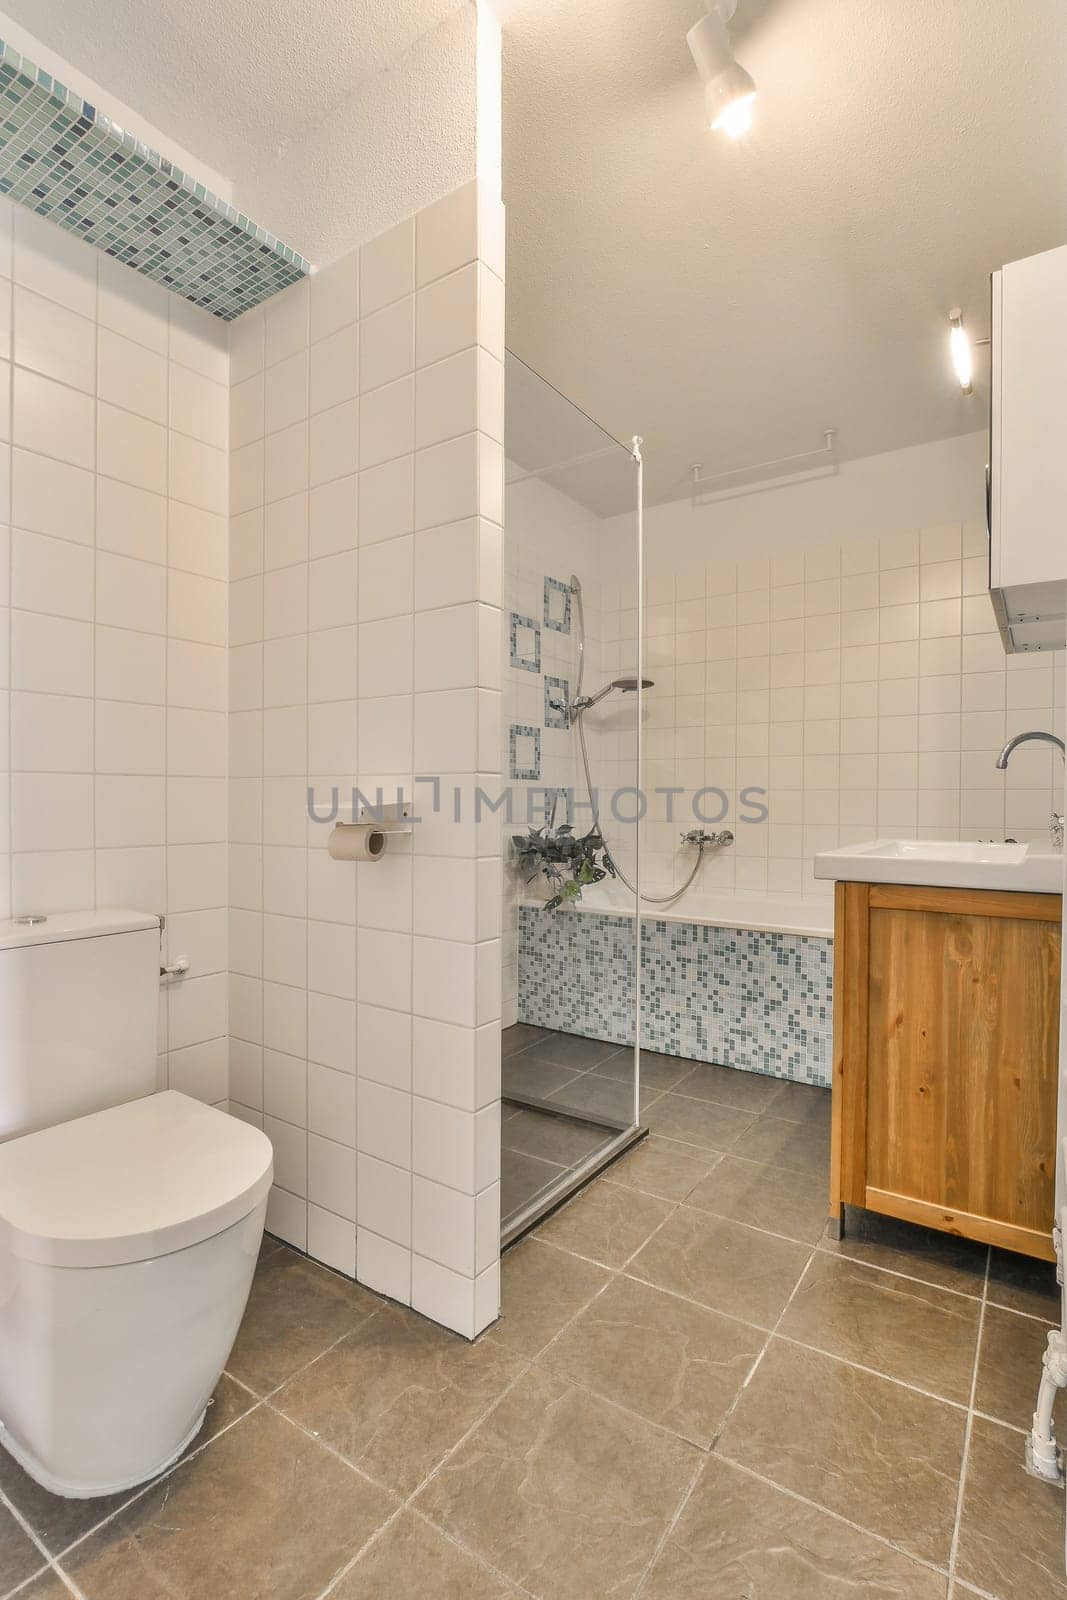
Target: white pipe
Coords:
[[1042, 1452]]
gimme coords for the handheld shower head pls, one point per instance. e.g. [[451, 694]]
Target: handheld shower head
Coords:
[[624, 685]]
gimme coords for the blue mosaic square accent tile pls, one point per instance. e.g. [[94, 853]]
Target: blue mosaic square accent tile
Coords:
[[557, 608], [758, 1001], [524, 642], [524, 752], [67, 161], [542, 807], [558, 690]]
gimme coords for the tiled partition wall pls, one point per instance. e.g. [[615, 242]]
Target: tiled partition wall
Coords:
[[113, 613], [862, 684], [366, 500]]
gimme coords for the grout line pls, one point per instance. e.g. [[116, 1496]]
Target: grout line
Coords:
[[665, 1536], [144, 1489], [29, 1531], [895, 1272], [968, 1429], [814, 1505], [407, 1503], [873, 1372], [766, 1346]]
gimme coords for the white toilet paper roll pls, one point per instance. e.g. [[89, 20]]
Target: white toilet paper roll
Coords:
[[356, 842]]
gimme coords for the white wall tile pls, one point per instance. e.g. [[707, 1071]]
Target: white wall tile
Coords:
[[52, 419], [51, 497], [132, 376], [54, 264], [334, 296], [129, 448], [53, 341], [387, 267]]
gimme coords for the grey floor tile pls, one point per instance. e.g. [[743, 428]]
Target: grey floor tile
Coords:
[[1023, 1284], [58, 1521], [675, 1363], [662, 1167], [525, 1076], [594, 1096], [48, 1585], [802, 1102], [1011, 1529], [723, 1265], [881, 1455], [606, 1223], [561, 1139], [573, 1050], [795, 1204], [703, 1123], [295, 1311], [262, 1511], [657, 1071], [397, 1394], [739, 1539], [523, 1178], [746, 1091], [795, 1146], [520, 1036], [1009, 1369], [412, 1557], [918, 1252], [904, 1329], [541, 1289], [19, 1556], [563, 1493]]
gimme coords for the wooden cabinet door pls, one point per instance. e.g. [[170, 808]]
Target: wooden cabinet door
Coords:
[[962, 1047]]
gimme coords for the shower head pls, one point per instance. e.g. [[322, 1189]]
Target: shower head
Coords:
[[624, 685], [576, 584]]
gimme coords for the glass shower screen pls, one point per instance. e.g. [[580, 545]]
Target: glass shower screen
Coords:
[[571, 728]]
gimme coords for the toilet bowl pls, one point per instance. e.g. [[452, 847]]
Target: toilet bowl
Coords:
[[128, 1240]]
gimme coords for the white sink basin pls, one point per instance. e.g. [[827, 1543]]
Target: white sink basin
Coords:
[[946, 864]]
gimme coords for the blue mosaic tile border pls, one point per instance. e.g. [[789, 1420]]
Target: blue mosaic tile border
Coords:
[[530, 771], [557, 605], [66, 160], [524, 643], [559, 690], [759, 1001]]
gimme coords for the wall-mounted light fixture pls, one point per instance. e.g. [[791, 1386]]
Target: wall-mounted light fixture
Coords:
[[729, 92], [962, 348]]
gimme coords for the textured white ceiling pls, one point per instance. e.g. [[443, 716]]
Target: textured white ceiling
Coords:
[[234, 81], [730, 301], [727, 301]]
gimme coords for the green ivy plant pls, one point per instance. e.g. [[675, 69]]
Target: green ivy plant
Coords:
[[569, 863]]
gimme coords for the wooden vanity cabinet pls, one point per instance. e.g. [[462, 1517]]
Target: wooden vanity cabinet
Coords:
[[946, 1042]]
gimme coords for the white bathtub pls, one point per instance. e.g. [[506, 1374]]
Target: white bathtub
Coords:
[[812, 917]]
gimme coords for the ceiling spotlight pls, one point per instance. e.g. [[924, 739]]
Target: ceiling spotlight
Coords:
[[960, 347], [729, 92]]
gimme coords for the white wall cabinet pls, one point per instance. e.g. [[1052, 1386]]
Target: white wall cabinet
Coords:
[[1028, 452]]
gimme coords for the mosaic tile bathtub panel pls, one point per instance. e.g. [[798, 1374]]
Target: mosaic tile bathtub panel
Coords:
[[754, 1000], [69, 162]]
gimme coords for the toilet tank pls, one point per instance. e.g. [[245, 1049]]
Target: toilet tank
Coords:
[[79, 1004]]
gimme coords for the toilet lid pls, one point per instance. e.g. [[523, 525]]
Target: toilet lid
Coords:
[[130, 1183]]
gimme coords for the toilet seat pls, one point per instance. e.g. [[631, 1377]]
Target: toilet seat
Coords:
[[131, 1183]]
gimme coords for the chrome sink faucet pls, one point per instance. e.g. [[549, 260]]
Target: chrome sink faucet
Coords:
[[1036, 736]]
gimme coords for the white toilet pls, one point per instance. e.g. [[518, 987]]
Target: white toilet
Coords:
[[130, 1220]]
